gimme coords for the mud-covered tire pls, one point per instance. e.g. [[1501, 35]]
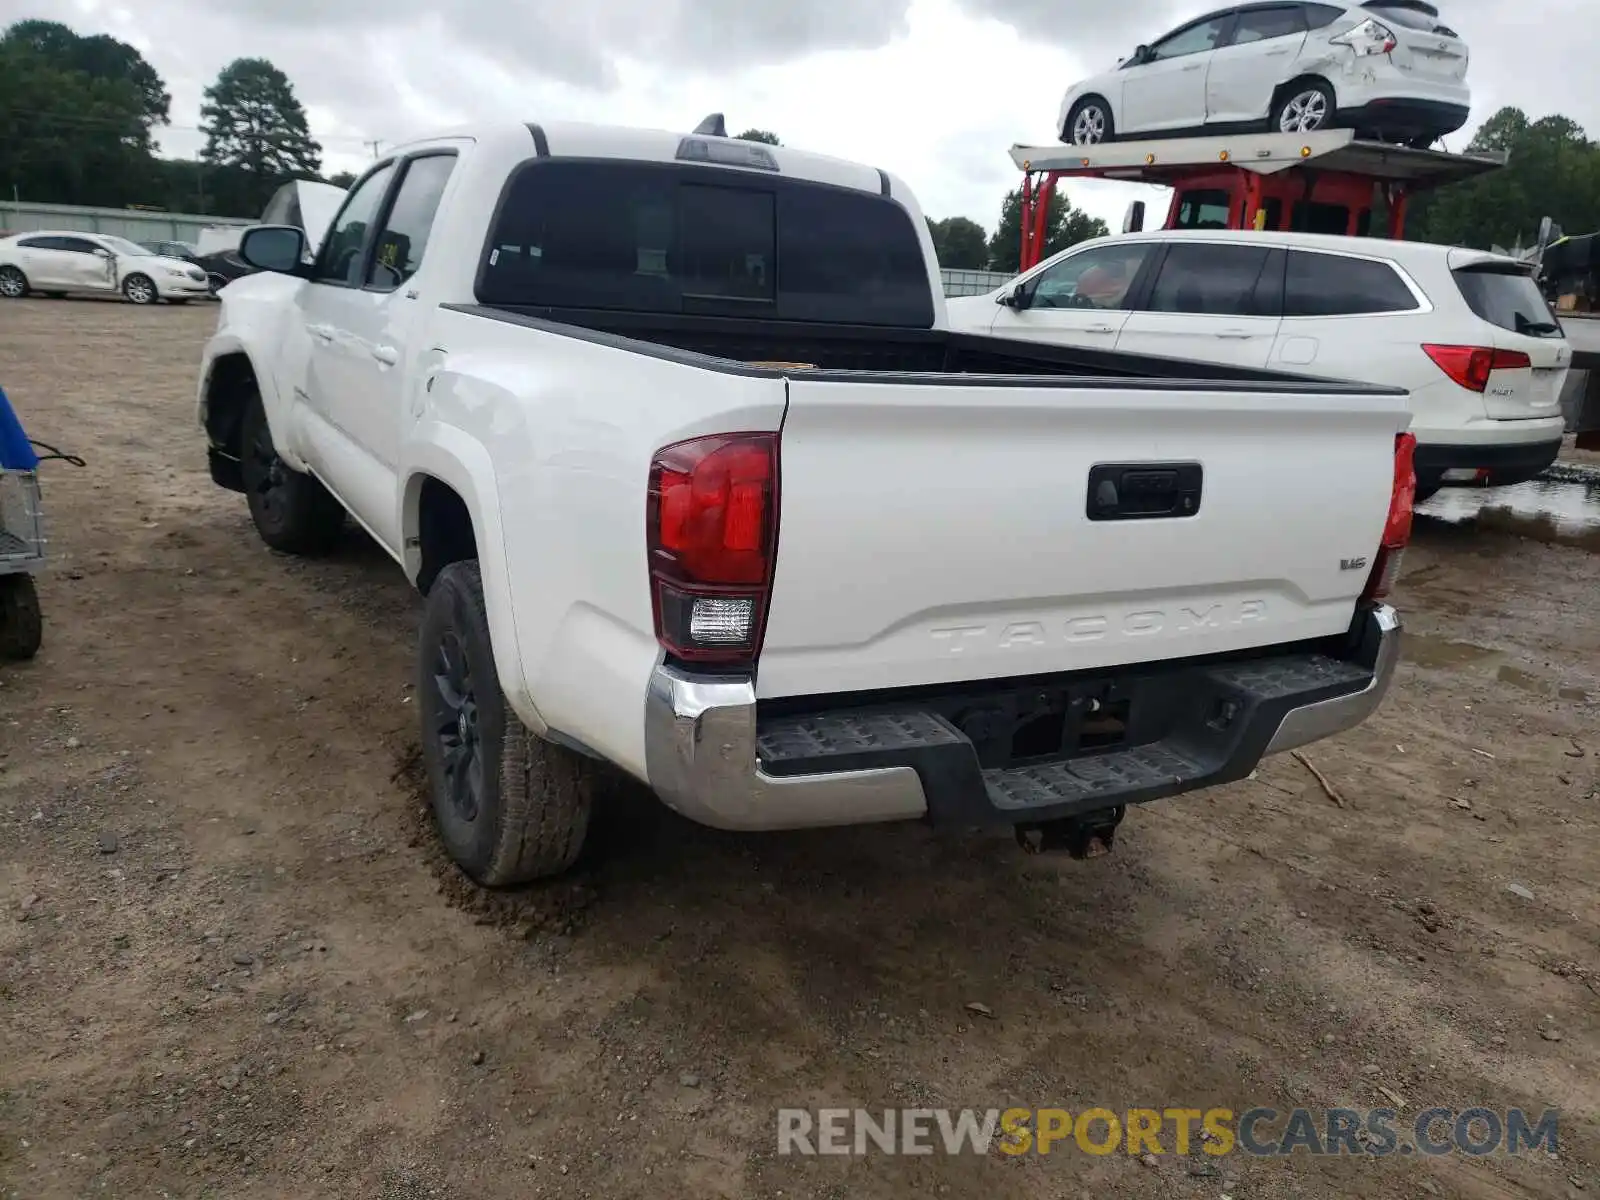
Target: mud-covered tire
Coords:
[[13, 283], [21, 623], [292, 512], [139, 288], [510, 807]]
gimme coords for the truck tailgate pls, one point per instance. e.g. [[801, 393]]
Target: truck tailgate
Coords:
[[939, 530]]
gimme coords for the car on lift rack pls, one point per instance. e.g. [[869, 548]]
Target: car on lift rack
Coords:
[[1387, 68]]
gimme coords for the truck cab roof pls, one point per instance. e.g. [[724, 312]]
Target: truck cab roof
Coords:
[[581, 139]]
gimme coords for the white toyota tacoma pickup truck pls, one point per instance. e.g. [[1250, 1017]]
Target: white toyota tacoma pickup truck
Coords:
[[670, 432]]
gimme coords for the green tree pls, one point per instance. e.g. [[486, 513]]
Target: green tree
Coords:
[[256, 129], [342, 179], [1553, 170], [99, 56], [760, 135], [960, 243], [76, 116], [1064, 226]]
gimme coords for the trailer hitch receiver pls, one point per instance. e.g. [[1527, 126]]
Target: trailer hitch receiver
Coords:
[[1089, 836]]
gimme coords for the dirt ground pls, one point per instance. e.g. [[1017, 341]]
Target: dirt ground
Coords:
[[233, 964]]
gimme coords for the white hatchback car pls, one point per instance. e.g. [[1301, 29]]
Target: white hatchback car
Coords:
[[1468, 334], [56, 262], [1386, 68]]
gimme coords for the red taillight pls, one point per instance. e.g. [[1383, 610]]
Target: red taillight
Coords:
[[711, 530], [1397, 526], [1470, 366]]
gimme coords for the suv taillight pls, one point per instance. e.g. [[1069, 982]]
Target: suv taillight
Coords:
[[1397, 526], [1368, 38], [1470, 366], [712, 531]]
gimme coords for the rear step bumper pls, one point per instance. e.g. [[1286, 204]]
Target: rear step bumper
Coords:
[[711, 759]]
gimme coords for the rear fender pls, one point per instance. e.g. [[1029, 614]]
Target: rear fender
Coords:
[[460, 461]]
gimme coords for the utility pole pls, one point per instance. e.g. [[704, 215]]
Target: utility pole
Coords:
[[375, 143]]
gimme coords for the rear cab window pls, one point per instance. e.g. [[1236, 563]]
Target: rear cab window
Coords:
[[687, 239], [1336, 285], [1203, 208], [1508, 298]]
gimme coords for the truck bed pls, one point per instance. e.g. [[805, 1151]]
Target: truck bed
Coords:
[[744, 346]]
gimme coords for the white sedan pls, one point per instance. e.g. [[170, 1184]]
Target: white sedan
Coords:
[[56, 262], [1386, 68]]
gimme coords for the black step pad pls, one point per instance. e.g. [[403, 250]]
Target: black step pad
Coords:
[[1078, 779], [832, 734], [1275, 678]]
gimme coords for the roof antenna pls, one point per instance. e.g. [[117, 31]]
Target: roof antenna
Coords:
[[712, 126]]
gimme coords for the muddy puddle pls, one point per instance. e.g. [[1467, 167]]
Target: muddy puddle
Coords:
[[1562, 508]]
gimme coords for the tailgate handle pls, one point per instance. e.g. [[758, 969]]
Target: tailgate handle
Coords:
[[1143, 491]]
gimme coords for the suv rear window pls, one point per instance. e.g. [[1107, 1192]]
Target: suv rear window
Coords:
[[1509, 299], [662, 238], [1334, 285]]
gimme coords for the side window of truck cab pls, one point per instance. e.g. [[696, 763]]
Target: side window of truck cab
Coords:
[[343, 253]]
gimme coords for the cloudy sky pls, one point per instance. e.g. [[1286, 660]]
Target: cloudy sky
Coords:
[[934, 90]]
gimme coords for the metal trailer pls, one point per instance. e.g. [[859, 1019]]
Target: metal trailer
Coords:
[[22, 540], [1329, 181]]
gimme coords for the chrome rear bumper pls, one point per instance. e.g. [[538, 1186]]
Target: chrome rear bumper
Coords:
[[702, 759]]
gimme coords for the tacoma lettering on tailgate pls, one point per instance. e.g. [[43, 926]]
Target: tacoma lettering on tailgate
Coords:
[[1144, 623]]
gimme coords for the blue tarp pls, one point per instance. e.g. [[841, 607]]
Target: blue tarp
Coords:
[[16, 454]]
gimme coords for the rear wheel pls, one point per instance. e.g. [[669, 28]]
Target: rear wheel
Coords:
[[510, 807], [292, 511], [1089, 123], [21, 625], [1303, 107], [13, 283]]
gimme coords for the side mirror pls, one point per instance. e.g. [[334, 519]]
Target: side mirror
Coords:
[[102, 252], [1141, 54], [1133, 219], [1019, 297], [277, 248]]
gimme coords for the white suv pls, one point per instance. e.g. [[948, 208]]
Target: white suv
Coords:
[[1388, 68], [1466, 333]]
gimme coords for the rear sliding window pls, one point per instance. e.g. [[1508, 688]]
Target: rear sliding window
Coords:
[[652, 238], [1510, 300]]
